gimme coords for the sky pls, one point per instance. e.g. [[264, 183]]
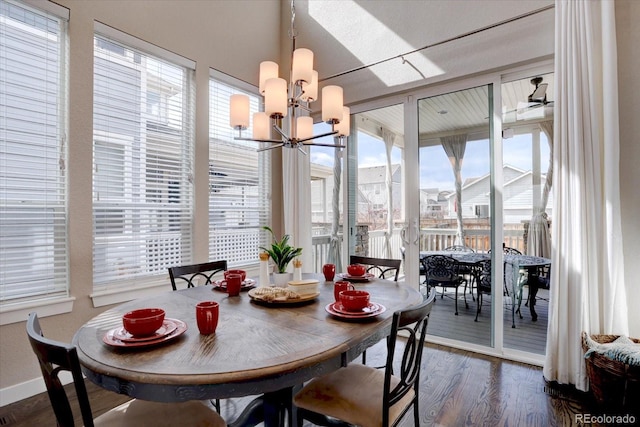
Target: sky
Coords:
[[435, 168]]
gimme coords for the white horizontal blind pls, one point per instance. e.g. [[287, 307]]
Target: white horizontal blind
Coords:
[[33, 259], [239, 184], [142, 160]]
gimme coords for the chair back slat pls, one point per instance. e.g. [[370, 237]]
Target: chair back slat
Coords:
[[413, 322], [190, 273], [383, 268], [54, 357]]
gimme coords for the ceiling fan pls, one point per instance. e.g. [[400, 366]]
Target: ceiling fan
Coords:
[[535, 101]]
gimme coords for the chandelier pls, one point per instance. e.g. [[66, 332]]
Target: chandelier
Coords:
[[282, 99]]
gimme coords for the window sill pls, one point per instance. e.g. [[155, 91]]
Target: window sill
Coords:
[[121, 294], [19, 312]]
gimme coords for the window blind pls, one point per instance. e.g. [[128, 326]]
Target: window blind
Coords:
[[239, 183], [33, 258], [142, 160]]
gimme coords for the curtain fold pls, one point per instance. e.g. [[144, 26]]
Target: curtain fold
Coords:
[[454, 147], [296, 185], [587, 275], [335, 254], [539, 237], [388, 137]]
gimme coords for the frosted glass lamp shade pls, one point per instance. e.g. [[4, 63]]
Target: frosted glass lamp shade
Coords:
[[239, 111], [345, 124], [268, 70], [275, 97], [331, 103], [304, 127], [311, 89], [261, 129], [302, 65]]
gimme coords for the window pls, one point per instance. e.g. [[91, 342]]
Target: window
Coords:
[[33, 258], [142, 160], [239, 181]]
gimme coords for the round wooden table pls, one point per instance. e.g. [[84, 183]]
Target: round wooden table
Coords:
[[256, 349]]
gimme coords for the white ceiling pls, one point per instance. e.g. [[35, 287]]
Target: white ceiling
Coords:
[[350, 34], [347, 35]]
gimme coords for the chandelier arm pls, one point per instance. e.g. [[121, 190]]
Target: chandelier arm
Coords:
[[284, 135], [270, 148], [274, 141], [324, 145], [318, 136], [301, 150]]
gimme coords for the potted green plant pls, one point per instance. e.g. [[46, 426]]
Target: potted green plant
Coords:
[[280, 251]]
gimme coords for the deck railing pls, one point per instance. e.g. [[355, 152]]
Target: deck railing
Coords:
[[431, 239]]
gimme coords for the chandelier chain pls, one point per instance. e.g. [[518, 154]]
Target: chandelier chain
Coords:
[[292, 30]]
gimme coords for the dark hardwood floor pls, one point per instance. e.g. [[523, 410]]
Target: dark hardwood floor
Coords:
[[458, 388]]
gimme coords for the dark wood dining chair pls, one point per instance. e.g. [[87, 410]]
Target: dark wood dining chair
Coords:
[[384, 268], [55, 357], [444, 271], [194, 273], [366, 396]]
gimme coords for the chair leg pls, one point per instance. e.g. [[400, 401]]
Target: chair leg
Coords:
[[464, 295], [456, 300], [479, 305]]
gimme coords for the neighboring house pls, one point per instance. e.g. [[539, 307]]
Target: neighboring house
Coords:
[[434, 203], [372, 185], [371, 197], [517, 196]]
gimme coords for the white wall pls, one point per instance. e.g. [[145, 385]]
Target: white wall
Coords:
[[628, 37]]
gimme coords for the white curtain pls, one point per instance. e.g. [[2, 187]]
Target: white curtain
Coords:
[[297, 203], [389, 137], [335, 254], [454, 146], [539, 237], [587, 282]]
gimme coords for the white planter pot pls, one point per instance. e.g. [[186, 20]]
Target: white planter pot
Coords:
[[281, 279]]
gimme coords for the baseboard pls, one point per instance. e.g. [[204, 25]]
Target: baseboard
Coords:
[[17, 392]]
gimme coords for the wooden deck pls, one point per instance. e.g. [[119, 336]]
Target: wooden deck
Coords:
[[526, 336]]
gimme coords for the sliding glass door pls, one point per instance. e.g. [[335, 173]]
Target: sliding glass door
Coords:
[[465, 173], [455, 194]]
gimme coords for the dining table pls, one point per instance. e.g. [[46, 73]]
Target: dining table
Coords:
[[514, 264], [259, 348]]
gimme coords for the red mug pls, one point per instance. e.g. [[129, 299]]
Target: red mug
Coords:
[[207, 313], [242, 273], [234, 283], [341, 286], [329, 271]]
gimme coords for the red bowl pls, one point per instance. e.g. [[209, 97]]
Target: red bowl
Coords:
[[356, 270], [143, 322], [354, 300], [240, 272]]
